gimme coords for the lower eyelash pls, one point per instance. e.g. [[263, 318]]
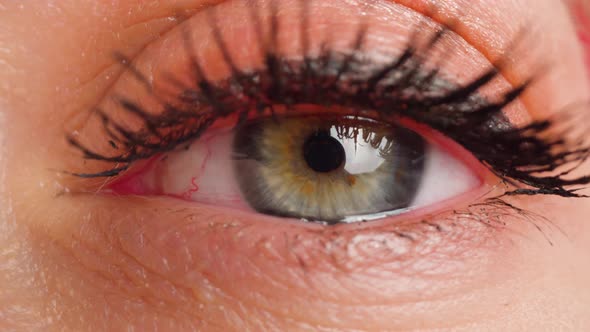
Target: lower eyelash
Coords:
[[402, 88]]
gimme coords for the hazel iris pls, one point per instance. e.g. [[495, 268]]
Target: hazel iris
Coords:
[[327, 168]]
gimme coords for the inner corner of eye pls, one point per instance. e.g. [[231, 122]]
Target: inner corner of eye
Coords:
[[325, 168]]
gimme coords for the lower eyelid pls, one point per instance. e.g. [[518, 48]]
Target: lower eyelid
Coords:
[[198, 258], [234, 252]]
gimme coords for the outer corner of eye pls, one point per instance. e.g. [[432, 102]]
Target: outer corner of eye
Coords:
[[327, 169]]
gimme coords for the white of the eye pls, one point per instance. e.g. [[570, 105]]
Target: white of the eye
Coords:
[[203, 172], [444, 177], [208, 163]]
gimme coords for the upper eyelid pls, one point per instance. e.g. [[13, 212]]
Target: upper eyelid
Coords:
[[112, 68], [489, 47], [193, 10], [184, 12], [171, 60], [459, 29], [416, 17]]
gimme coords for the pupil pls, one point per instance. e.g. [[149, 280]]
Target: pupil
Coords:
[[323, 153]]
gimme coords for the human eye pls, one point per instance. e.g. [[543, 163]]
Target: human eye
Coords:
[[300, 165], [326, 169], [318, 127]]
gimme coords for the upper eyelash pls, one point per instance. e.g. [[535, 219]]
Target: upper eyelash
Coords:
[[520, 156]]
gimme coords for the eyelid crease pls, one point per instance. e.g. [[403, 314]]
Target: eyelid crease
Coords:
[[426, 9], [495, 48]]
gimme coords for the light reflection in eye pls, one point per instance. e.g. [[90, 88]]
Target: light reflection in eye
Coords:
[[319, 168]]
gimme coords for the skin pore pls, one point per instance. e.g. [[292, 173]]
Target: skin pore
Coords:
[[77, 261]]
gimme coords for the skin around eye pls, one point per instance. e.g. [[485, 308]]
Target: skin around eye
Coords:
[[361, 170], [73, 259], [395, 260]]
